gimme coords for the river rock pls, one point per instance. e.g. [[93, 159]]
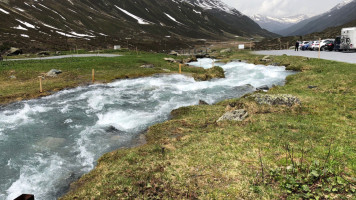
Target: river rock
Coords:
[[235, 115], [266, 59], [12, 77], [228, 50], [239, 91], [172, 60], [173, 53], [202, 102], [312, 86], [14, 51], [263, 87], [53, 72], [276, 99], [51, 142], [147, 66], [43, 53], [166, 70]]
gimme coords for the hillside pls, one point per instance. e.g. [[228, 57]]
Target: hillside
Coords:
[[341, 14], [149, 24]]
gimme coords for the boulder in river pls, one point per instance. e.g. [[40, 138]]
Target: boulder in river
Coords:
[[276, 99], [202, 102], [263, 87], [235, 115], [53, 72]]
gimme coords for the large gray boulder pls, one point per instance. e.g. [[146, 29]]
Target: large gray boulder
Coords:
[[53, 72], [235, 115], [14, 51], [276, 99]]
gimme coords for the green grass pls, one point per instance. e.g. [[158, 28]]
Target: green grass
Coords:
[[193, 157], [78, 71]]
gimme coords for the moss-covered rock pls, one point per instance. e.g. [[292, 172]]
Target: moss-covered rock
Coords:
[[214, 72], [276, 99]]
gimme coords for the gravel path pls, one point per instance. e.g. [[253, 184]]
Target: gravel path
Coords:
[[68, 56], [336, 56]]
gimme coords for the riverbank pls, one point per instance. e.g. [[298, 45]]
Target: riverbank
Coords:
[[19, 80], [278, 152]]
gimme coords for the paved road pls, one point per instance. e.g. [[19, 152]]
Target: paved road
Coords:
[[68, 56], [336, 56]]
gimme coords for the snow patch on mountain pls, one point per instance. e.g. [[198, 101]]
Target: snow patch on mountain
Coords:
[[284, 20], [4, 11], [139, 19]]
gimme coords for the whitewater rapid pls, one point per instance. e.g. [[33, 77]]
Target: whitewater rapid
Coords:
[[47, 143]]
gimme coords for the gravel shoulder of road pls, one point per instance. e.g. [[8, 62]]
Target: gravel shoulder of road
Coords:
[[349, 57]]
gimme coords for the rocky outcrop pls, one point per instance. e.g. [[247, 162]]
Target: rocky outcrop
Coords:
[[201, 102], [214, 72], [263, 87], [14, 51], [235, 115], [53, 72], [172, 60], [266, 59], [276, 99]]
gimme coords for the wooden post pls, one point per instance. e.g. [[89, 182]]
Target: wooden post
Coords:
[[41, 89], [180, 68], [93, 75], [319, 48]]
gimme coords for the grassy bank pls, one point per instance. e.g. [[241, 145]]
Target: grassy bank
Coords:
[[278, 152], [19, 79]]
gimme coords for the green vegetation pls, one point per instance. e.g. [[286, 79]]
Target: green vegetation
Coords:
[[306, 151], [19, 79]]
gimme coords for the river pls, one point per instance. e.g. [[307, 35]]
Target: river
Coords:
[[47, 143]]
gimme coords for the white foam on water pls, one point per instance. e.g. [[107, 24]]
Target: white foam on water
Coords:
[[130, 106], [38, 177]]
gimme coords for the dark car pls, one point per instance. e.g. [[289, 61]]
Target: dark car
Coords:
[[337, 43], [329, 46]]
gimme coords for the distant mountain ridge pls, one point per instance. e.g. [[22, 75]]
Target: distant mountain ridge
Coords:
[[60, 24], [275, 24], [341, 14]]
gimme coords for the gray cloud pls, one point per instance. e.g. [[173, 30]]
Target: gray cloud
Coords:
[[282, 8]]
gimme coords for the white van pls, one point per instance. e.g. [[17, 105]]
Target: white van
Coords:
[[348, 39]]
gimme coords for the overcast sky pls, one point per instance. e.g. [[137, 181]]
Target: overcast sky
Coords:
[[282, 8]]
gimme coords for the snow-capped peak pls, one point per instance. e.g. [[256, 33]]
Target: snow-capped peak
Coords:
[[344, 3], [284, 20]]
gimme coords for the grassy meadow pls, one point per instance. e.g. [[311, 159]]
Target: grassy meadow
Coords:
[[78, 71], [306, 151]]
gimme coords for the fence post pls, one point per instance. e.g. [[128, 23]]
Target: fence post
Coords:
[[41, 89], [319, 48], [93, 75], [180, 68]]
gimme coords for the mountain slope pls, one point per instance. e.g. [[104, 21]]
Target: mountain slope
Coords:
[[276, 25], [62, 24], [341, 14]]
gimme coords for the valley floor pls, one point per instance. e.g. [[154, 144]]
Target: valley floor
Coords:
[[306, 151]]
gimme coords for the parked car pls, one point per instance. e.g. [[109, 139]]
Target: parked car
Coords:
[[324, 42], [314, 46], [329, 46], [301, 44], [337, 43], [306, 46]]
